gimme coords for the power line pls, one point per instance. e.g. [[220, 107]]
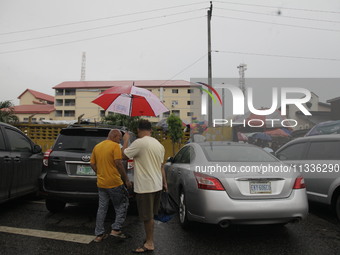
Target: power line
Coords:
[[199, 59], [274, 55], [281, 16], [100, 27], [279, 24], [98, 37], [276, 7], [98, 19]]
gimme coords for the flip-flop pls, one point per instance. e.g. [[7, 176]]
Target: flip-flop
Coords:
[[120, 235], [144, 249], [100, 238]]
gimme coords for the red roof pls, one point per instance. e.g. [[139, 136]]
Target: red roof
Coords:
[[38, 95], [109, 84], [43, 108]]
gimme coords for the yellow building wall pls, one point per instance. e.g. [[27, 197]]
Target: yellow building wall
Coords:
[[27, 98]]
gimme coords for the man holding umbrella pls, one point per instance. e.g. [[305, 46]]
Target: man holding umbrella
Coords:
[[149, 178]]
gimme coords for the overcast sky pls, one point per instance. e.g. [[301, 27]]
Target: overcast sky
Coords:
[[41, 41]]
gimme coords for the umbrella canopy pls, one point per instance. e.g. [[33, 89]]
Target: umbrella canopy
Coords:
[[131, 101], [242, 137], [277, 132], [261, 136]]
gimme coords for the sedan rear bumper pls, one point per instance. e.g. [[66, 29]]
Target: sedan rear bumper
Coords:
[[216, 207]]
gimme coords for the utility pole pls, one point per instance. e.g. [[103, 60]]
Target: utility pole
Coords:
[[209, 65], [242, 84]]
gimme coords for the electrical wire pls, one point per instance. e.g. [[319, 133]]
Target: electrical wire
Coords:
[[276, 7], [274, 15], [274, 55], [98, 37], [279, 24], [100, 27], [98, 19], [199, 59]]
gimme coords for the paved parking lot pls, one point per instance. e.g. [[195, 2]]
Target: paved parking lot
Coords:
[[26, 227]]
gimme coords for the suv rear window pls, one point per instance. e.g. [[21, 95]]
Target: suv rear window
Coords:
[[79, 139]]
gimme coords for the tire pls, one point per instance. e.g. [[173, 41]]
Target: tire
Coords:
[[54, 205], [337, 207], [182, 211]]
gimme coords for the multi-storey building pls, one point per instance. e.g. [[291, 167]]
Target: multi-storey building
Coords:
[[73, 99]]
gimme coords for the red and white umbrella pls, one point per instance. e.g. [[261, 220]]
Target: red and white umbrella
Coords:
[[131, 101]]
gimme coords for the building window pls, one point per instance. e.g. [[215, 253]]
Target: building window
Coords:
[[25, 119], [174, 102], [69, 92], [59, 102], [190, 102], [69, 113], [42, 119], [102, 113], [175, 91], [176, 112], [190, 91], [166, 114], [58, 113], [59, 92], [189, 114], [70, 102]]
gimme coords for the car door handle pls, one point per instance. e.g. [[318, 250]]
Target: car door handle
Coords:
[[17, 159], [7, 159]]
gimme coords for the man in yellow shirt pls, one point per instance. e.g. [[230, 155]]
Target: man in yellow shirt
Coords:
[[106, 161]]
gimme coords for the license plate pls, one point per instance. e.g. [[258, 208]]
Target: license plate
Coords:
[[260, 188], [85, 170]]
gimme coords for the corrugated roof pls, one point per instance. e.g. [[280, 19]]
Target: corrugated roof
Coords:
[[109, 84], [38, 95], [43, 108]]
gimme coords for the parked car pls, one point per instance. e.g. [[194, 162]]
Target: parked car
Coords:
[[67, 175], [234, 196], [20, 163], [318, 160]]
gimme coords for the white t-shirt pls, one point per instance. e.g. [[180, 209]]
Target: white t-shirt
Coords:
[[148, 156]]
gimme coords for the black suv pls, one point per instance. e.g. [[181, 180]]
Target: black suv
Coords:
[[67, 175], [20, 163]]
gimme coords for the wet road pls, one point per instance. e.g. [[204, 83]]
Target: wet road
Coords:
[[318, 234]]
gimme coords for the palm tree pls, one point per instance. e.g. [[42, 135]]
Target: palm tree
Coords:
[[7, 112]]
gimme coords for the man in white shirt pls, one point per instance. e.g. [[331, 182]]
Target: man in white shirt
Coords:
[[149, 177]]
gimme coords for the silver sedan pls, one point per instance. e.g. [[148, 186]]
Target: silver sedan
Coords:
[[232, 183]]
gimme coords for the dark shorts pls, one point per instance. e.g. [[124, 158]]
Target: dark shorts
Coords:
[[148, 205]]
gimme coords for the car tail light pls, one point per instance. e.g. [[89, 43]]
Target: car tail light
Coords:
[[46, 157], [208, 182], [130, 164], [299, 183]]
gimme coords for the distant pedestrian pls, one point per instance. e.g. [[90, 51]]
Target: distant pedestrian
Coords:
[[106, 161], [149, 178]]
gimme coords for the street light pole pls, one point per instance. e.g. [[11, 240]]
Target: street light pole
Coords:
[[209, 65]]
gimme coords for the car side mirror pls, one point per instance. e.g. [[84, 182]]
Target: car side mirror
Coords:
[[170, 159], [36, 148]]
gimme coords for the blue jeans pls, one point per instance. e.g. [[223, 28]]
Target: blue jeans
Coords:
[[120, 201]]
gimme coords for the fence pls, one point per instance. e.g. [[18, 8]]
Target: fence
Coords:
[[45, 135]]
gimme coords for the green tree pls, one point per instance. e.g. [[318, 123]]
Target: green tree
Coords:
[[7, 112], [175, 130], [122, 120]]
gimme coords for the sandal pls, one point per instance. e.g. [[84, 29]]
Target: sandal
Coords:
[[119, 235], [142, 249], [100, 238]]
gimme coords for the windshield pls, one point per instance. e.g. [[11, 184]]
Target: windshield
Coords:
[[228, 153]]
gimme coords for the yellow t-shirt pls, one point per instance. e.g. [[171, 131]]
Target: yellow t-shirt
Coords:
[[104, 155]]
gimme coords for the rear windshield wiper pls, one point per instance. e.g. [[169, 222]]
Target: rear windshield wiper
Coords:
[[74, 149]]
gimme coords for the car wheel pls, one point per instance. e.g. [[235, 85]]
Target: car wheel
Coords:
[[182, 211], [54, 205], [337, 207]]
